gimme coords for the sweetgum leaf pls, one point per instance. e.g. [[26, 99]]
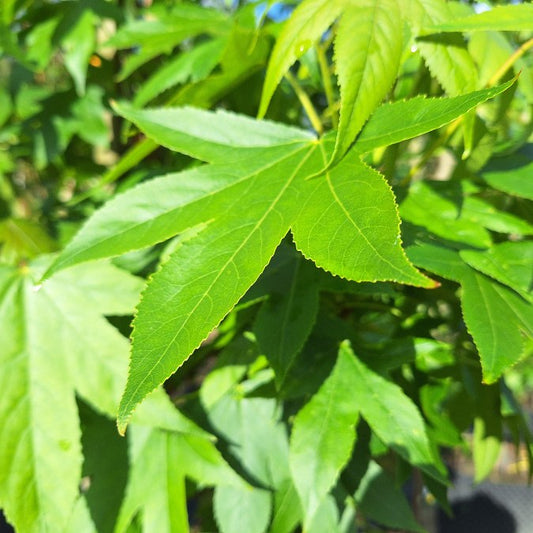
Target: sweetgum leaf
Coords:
[[265, 180], [507, 262], [368, 46], [392, 415], [43, 366], [497, 318], [305, 27], [161, 460], [318, 456]]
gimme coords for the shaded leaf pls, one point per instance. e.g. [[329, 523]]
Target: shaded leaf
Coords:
[[511, 175], [380, 500], [323, 437], [507, 262], [496, 317], [285, 320], [392, 415], [242, 509]]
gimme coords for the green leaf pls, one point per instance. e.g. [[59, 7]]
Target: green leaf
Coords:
[[487, 435], [78, 41], [485, 214], [326, 518], [23, 239], [285, 320], [323, 437], [194, 64], [353, 206], [511, 175], [287, 512], [202, 280], [164, 28], [155, 464], [397, 121], [379, 499], [426, 205], [212, 137], [517, 17], [242, 509], [305, 27], [41, 366], [507, 262], [161, 459], [392, 415], [446, 56], [368, 46], [496, 317]]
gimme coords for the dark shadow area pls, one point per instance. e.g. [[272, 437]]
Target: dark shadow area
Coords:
[[477, 514], [4, 526]]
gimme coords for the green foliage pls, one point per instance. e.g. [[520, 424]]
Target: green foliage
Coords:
[[292, 363]]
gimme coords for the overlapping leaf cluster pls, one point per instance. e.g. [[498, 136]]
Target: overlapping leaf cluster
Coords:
[[282, 307]]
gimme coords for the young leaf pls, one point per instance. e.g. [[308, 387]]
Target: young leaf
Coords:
[[368, 46], [392, 415], [306, 25], [323, 437]]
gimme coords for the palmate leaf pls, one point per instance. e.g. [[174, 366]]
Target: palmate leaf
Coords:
[[43, 366], [368, 46], [496, 317], [262, 182]]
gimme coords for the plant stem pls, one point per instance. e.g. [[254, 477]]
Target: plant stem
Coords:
[[328, 86], [510, 61], [306, 103]]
